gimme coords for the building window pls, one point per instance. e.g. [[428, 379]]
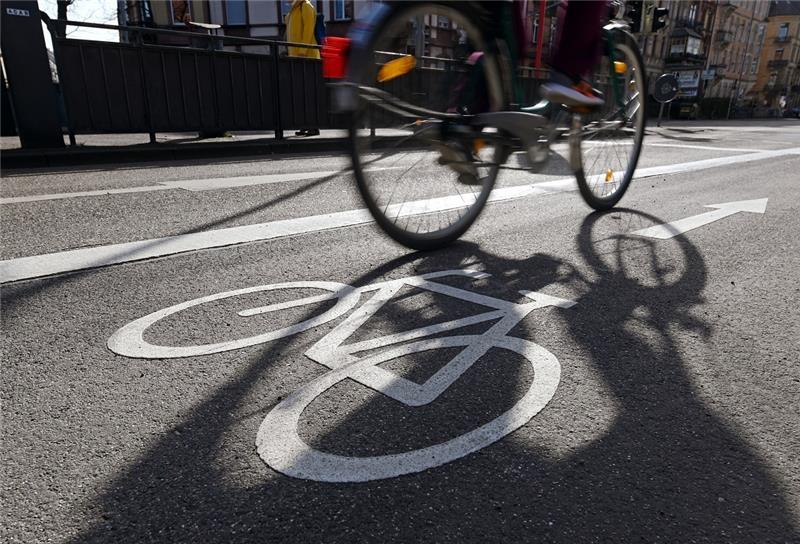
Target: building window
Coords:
[[677, 47], [783, 31], [235, 12], [778, 54], [181, 12], [285, 7], [692, 13], [693, 46], [342, 10]]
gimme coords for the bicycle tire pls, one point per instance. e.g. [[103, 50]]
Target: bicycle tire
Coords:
[[597, 176], [390, 215]]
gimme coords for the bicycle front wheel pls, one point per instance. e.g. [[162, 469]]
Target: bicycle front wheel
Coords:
[[611, 139], [422, 170]]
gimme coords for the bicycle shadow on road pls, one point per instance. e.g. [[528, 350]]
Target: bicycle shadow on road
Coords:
[[664, 468]]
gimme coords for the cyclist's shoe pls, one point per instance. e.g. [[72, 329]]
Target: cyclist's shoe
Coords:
[[579, 94], [460, 160]]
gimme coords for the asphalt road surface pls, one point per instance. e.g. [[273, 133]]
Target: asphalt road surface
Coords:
[[232, 352]]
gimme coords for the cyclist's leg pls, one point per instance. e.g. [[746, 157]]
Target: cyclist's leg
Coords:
[[579, 41]]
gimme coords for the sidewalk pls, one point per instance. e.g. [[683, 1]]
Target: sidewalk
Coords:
[[122, 148]]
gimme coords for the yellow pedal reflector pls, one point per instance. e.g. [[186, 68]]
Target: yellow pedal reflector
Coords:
[[478, 144], [620, 67], [609, 175], [396, 68]]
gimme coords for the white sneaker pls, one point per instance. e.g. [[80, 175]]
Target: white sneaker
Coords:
[[580, 94]]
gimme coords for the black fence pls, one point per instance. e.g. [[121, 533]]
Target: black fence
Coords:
[[142, 87]]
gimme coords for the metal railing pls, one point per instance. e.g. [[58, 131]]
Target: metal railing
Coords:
[[199, 82]]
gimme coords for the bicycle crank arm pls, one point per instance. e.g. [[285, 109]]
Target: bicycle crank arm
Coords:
[[517, 123], [528, 128]]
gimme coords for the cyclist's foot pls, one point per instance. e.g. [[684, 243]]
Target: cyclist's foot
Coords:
[[562, 90], [460, 160]]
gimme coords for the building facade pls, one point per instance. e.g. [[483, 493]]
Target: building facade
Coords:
[[735, 50], [778, 82]]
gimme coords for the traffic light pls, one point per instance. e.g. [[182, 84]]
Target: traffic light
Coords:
[[659, 18], [634, 10]]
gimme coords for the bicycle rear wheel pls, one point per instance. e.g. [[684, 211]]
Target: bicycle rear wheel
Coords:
[[423, 171], [611, 139]]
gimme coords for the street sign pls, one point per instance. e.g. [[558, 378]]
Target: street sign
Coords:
[[666, 89]]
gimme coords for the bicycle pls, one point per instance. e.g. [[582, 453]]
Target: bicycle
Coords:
[[278, 441], [431, 91]]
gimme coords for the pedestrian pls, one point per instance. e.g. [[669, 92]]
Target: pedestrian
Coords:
[[300, 26]]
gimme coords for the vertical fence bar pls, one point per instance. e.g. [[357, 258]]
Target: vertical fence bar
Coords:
[[183, 90], [246, 92], [125, 86], [212, 60], [86, 86], [166, 88], [57, 53], [199, 89], [260, 93], [277, 93], [106, 89], [229, 60], [145, 95]]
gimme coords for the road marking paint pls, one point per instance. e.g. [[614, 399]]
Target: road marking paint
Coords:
[[674, 228], [278, 441], [93, 257], [712, 163], [711, 147], [194, 185], [79, 259], [211, 184], [99, 192]]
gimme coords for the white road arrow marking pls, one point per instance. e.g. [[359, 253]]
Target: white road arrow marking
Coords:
[[669, 230]]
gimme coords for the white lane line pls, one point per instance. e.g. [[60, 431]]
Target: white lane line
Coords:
[[712, 163], [187, 185], [92, 257], [101, 192], [209, 184], [80, 259], [711, 147]]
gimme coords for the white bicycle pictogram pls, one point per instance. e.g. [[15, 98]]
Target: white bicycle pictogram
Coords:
[[278, 441]]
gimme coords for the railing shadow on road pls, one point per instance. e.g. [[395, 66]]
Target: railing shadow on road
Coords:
[[664, 468], [157, 164], [14, 293]]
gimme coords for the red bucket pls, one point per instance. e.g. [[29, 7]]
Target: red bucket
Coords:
[[334, 57]]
